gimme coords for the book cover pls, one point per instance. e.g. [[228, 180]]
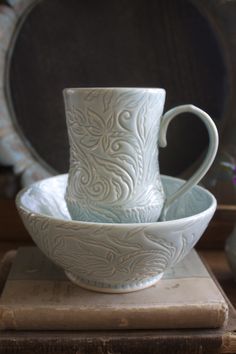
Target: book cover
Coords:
[[38, 296]]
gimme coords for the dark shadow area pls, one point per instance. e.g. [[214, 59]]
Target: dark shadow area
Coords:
[[164, 43]]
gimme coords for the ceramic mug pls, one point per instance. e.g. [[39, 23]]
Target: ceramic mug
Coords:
[[114, 135]]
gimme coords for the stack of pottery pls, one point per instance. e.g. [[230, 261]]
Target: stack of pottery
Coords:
[[114, 223]]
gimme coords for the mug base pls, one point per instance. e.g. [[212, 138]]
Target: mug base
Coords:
[[115, 214], [127, 288]]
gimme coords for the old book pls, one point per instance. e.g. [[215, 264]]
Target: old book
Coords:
[[38, 296], [202, 341], [183, 341]]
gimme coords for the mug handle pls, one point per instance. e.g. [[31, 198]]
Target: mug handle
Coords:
[[211, 153]]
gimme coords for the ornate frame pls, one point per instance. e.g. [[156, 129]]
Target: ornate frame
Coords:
[[13, 148]]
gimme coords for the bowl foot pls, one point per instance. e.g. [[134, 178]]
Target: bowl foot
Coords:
[[102, 288]]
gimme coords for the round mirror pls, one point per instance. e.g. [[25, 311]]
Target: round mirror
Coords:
[[164, 43]]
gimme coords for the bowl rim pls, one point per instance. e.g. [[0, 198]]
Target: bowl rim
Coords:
[[211, 208]]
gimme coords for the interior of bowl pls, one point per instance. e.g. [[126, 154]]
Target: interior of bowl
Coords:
[[46, 197]]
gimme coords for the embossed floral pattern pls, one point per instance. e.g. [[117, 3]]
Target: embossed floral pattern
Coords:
[[122, 259], [107, 256], [114, 172], [118, 257]]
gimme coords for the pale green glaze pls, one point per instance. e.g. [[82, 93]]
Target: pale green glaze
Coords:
[[113, 257], [114, 135]]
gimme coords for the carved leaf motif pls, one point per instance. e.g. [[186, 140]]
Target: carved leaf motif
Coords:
[[105, 142], [112, 166], [107, 97], [95, 120], [141, 124], [126, 181], [127, 241], [117, 188], [110, 123], [91, 130], [89, 142], [116, 137], [79, 116], [144, 261], [183, 249], [91, 95], [113, 257], [129, 99], [128, 159]]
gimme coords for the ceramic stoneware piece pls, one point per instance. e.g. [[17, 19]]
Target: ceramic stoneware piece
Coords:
[[107, 257], [114, 171]]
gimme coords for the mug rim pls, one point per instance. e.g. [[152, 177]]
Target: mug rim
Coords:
[[72, 90]]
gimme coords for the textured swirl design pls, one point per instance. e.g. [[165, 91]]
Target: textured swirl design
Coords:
[[114, 156], [39, 229], [111, 260], [100, 257], [113, 256]]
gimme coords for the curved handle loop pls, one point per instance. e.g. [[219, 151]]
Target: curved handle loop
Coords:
[[211, 153]]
